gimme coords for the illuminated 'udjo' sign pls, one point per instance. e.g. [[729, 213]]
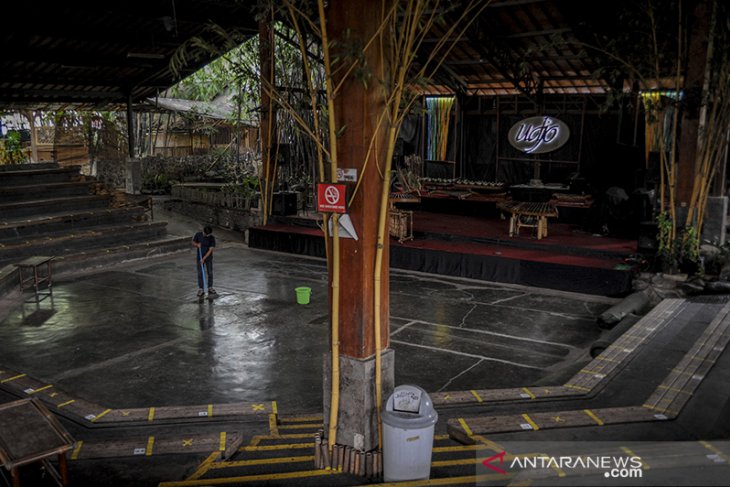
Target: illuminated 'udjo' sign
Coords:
[[537, 135]]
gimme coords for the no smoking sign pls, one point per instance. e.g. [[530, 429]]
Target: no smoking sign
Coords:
[[331, 198]]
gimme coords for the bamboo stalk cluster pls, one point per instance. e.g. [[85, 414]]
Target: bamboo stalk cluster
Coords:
[[345, 459]]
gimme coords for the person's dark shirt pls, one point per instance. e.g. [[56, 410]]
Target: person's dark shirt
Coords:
[[205, 241]]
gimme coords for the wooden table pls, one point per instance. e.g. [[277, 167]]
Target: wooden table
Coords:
[[35, 280], [29, 433], [532, 215]]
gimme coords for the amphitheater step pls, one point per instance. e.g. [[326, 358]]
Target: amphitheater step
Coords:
[[33, 192], [13, 212], [85, 239], [69, 222], [27, 177]]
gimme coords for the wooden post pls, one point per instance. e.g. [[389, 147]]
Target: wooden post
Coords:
[[130, 126], [267, 119], [699, 28]]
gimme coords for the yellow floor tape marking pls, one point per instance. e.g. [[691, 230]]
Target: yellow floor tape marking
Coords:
[[273, 427], [291, 446], [150, 444], [203, 468], [465, 427], [274, 408], [454, 463], [302, 419], [262, 461], [715, 450], [257, 407], [441, 437], [579, 388], [11, 378], [210, 410], [41, 389], [631, 453], [77, 449], [314, 426], [66, 403], [531, 422], [593, 416], [528, 392], [474, 393], [222, 443], [249, 478], [125, 413], [151, 415], [187, 442], [101, 415]]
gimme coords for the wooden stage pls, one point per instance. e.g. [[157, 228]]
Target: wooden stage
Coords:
[[479, 247]]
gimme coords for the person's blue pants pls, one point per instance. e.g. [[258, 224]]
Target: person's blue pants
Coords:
[[208, 275]]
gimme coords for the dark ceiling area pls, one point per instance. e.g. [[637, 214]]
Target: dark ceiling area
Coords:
[[102, 53], [99, 54]]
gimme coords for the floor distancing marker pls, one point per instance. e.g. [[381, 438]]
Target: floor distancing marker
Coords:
[[593, 416], [150, 415], [19, 376], [222, 445], [77, 449], [262, 461], [528, 392], [474, 393], [150, 445], [210, 410], [36, 391], [466, 428], [63, 404], [101, 415], [205, 466], [531, 422]]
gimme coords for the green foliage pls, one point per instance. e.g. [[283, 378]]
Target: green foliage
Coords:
[[11, 149]]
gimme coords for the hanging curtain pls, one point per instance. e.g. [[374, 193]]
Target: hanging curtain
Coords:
[[438, 110]]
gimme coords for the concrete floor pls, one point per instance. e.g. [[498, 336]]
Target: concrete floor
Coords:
[[137, 336]]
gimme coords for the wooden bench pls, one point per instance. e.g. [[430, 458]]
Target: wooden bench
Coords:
[[29, 433], [528, 214]]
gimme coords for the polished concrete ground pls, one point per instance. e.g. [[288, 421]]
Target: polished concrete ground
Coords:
[[137, 336]]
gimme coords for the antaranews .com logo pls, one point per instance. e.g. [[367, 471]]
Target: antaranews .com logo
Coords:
[[604, 463]]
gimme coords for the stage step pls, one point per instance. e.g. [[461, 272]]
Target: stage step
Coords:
[[14, 212], [28, 177], [496, 263], [86, 239], [74, 221], [16, 194]]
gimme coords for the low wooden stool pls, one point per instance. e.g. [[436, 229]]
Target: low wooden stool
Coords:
[[36, 279], [531, 215], [29, 433]]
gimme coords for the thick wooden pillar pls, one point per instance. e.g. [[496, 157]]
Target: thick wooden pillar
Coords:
[[358, 106], [699, 29], [267, 119]]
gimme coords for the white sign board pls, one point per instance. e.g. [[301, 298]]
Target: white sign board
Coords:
[[346, 175], [407, 400]]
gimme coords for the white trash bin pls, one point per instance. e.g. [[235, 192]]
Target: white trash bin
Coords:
[[409, 420]]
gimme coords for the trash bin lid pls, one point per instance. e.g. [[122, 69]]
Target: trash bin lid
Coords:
[[409, 407]]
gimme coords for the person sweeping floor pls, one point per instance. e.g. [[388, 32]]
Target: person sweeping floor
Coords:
[[205, 243]]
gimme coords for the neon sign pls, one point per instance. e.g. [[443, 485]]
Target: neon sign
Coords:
[[537, 135]]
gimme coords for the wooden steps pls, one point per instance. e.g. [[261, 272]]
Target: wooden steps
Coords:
[[665, 403]]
